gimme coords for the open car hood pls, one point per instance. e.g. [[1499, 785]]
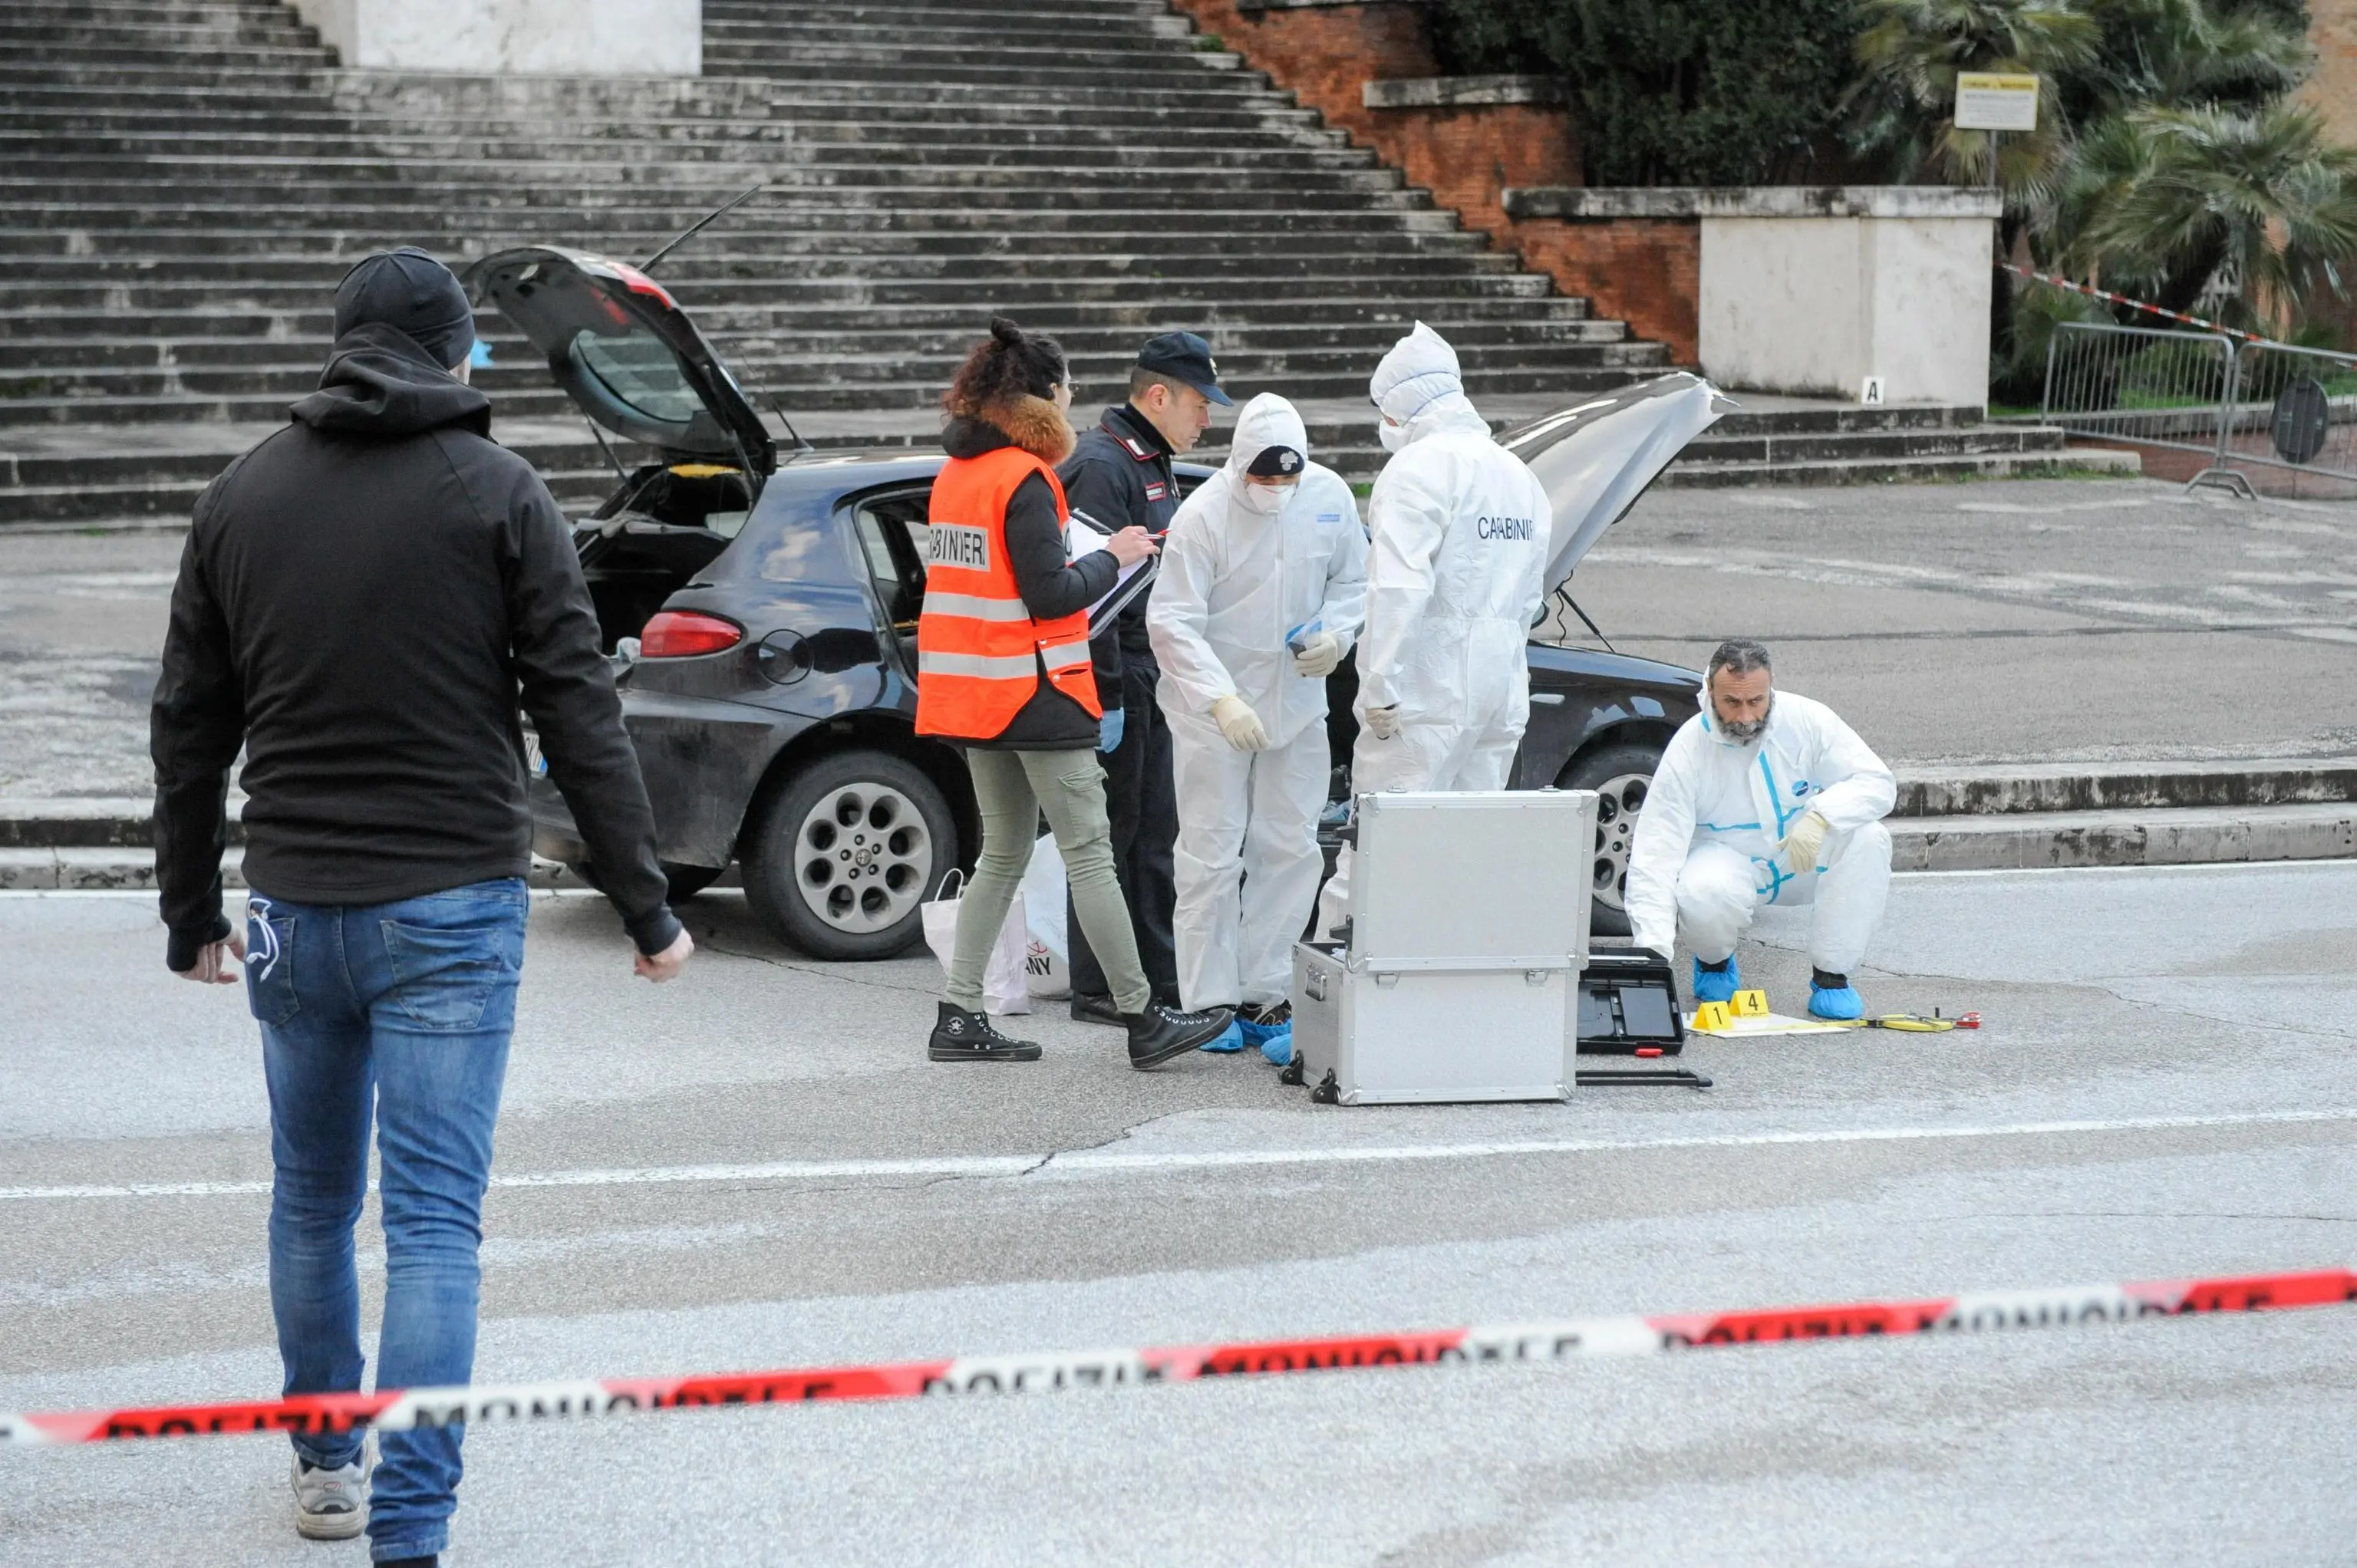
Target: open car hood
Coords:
[[625, 352], [1596, 458]]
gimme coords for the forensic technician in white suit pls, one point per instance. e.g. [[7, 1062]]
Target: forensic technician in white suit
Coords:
[[1262, 587], [1763, 798], [1459, 530]]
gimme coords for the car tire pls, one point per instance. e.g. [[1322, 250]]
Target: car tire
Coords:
[[1620, 774], [842, 857]]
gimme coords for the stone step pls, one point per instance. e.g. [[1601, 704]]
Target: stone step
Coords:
[[1714, 449], [786, 141], [2013, 790], [1306, 254], [1916, 470], [922, 363], [64, 368], [1243, 280], [1304, 174], [833, 392], [131, 234], [1139, 312], [780, 164], [627, 209], [748, 351], [2187, 836], [90, 109]]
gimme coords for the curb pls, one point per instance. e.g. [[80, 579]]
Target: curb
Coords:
[[85, 869], [2030, 841], [1990, 818]]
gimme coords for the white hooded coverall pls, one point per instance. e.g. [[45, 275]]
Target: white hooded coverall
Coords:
[[1233, 583], [1709, 846], [1460, 529]]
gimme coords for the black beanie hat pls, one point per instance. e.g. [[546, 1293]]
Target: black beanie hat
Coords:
[[412, 292]]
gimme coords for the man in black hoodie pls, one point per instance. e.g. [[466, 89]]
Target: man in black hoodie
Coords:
[[363, 599]]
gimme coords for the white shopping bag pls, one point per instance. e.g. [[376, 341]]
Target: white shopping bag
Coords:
[[1047, 964], [1003, 987]]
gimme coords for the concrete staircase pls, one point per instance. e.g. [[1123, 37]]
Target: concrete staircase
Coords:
[[185, 181]]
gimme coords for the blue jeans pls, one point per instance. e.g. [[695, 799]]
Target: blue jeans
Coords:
[[413, 1000]]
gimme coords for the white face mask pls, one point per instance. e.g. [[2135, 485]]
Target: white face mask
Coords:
[[1393, 436], [1263, 500]]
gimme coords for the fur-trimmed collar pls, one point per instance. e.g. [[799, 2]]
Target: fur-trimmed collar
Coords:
[[1031, 422]]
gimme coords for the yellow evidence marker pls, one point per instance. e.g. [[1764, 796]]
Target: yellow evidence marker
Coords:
[[1751, 1004], [1711, 1018]]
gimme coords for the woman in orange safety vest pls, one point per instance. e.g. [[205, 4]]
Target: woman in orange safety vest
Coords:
[[1003, 670]]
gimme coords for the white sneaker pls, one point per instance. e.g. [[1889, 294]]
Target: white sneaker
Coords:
[[332, 1505]]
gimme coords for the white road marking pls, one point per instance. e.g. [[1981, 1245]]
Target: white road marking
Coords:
[[1101, 1162]]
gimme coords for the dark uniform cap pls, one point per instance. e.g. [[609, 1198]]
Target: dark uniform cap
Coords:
[[1276, 463], [410, 291], [1184, 357]]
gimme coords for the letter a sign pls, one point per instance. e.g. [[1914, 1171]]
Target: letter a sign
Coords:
[[1993, 101]]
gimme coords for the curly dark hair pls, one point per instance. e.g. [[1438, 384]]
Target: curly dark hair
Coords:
[[1004, 366]]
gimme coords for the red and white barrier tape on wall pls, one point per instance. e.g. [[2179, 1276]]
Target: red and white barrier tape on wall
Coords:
[[1057, 1371], [2091, 292]]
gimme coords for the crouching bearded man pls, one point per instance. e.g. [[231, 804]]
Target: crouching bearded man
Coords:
[[1763, 798]]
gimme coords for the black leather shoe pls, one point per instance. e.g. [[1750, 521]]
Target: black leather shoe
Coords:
[[962, 1036], [1162, 1032], [1088, 1008]]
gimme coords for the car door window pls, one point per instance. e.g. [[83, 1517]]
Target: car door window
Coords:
[[890, 525]]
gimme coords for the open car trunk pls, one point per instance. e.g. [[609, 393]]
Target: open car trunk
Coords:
[[638, 369], [1597, 458]]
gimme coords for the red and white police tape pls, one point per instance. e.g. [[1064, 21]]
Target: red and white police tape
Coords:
[[1057, 1371]]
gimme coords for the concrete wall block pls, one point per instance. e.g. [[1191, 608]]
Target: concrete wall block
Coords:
[[552, 38], [1815, 305]]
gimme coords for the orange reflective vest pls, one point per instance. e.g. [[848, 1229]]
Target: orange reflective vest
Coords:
[[980, 654]]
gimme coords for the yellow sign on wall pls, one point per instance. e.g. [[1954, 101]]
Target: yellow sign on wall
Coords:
[[1996, 101]]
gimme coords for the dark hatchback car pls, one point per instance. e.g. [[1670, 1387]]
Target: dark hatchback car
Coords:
[[762, 622]]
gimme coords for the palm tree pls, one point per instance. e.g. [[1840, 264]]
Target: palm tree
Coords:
[[2164, 199], [1911, 51]]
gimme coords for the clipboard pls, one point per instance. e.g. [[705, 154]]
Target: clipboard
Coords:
[[1084, 534]]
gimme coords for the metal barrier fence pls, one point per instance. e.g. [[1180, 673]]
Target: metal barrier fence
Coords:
[[2255, 403]]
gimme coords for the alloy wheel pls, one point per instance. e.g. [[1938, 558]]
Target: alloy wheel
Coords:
[[1619, 800], [863, 858]]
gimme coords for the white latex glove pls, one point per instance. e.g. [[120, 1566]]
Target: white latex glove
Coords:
[[1320, 652], [1801, 842], [1240, 726], [1382, 722]]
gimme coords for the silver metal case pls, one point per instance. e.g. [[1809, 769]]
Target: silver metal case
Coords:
[[1468, 929]]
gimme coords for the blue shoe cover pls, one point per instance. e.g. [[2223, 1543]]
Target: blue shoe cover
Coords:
[[1839, 1005], [1275, 1044], [1234, 1040], [1716, 985]]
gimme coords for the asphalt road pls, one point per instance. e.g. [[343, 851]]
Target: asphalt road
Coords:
[[2185, 1015], [2035, 620], [2030, 621]]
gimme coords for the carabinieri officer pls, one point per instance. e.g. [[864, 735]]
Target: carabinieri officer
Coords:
[[1119, 473]]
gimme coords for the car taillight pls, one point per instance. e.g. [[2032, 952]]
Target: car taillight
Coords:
[[683, 634]]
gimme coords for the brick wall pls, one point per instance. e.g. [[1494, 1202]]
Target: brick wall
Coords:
[[1466, 157], [1644, 271], [2332, 87]]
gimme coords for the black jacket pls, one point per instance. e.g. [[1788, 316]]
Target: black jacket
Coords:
[[1119, 473], [1052, 586], [362, 597]]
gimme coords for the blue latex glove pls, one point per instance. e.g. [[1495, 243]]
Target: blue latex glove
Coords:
[[1109, 729]]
